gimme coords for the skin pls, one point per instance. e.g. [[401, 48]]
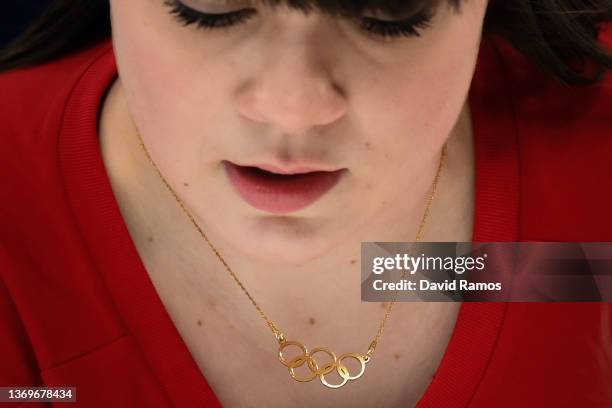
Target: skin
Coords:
[[196, 103], [268, 91]]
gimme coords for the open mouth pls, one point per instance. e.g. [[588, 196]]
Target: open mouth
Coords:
[[280, 193], [256, 171]]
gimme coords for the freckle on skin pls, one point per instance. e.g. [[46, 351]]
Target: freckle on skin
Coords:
[[150, 239], [186, 184], [368, 145], [397, 356], [199, 323], [353, 261], [311, 321]]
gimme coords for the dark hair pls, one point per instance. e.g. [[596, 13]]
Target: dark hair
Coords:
[[560, 36]]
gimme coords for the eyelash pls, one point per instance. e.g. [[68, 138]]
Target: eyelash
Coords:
[[385, 29]]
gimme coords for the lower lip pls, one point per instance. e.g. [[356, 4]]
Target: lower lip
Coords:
[[277, 193]]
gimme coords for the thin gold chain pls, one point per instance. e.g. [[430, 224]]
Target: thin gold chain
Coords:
[[419, 234], [273, 327]]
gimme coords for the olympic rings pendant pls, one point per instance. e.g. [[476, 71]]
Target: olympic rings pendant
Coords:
[[317, 370]]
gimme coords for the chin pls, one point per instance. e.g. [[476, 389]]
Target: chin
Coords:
[[285, 240]]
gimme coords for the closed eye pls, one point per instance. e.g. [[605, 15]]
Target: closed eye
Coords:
[[189, 16], [408, 27]]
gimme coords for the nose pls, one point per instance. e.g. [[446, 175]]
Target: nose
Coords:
[[292, 91]]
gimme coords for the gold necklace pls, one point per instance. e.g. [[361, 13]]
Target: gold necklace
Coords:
[[306, 356]]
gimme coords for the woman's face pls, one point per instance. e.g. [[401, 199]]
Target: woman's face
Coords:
[[288, 89]]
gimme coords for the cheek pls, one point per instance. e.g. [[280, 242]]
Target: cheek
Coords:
[[165, 70], [424, 91]]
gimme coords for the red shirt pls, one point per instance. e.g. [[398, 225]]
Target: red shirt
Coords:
[[77, 307]]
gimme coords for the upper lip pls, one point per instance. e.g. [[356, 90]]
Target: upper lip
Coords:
[[294, 168]]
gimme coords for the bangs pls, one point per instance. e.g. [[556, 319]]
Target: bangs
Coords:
[[355, 8]]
